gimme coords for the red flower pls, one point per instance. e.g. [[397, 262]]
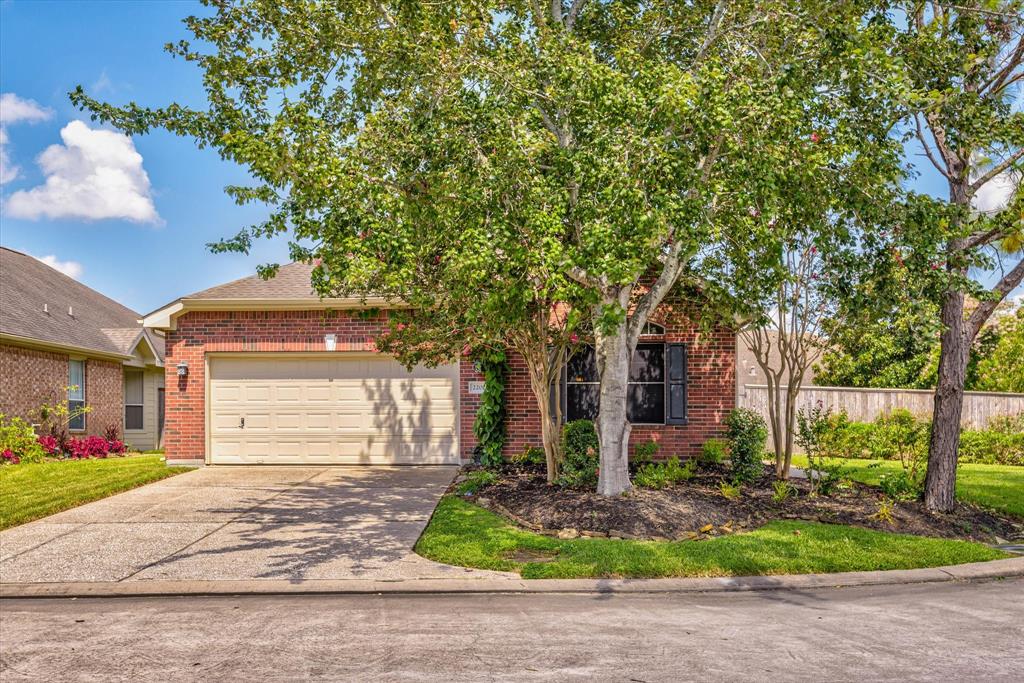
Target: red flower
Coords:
[[815, 137]]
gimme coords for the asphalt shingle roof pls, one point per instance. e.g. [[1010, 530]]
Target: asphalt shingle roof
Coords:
[[94, 323], [291, 282]]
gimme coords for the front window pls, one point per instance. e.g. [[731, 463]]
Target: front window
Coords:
[[133, 401], [76, 395], [646, 393]]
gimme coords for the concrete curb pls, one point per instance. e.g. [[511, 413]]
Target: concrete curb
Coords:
[[995, 569]]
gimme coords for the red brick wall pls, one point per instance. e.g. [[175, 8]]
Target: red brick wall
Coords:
[[711, 394], [104, 394], [711, 388], [29, 378]]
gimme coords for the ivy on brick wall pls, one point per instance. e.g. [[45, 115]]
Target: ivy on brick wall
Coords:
[[489, 426]]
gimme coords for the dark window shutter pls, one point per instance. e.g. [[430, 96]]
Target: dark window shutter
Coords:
[[675, 386]]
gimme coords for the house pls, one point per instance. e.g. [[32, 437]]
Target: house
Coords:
[[58, 338], [266, 372]]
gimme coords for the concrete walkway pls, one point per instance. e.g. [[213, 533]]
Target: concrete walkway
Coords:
[[241, 524]]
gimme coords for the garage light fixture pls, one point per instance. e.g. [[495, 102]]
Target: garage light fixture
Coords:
[[182, 368], [330, 341]]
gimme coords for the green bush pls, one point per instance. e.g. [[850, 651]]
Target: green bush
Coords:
[[644, 452], [532, 456], [658, 475], [747, 433], [489, 426], [714, 451], [899, 435], [18, 437], [579, 468], [475, 481]]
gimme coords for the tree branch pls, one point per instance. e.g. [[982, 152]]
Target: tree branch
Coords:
[[996, 170], [574, 13], [673, 266], [928, 150], [980, 314], [712, 32]]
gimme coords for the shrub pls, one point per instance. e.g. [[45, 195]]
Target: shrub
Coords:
[[532, 456], [579, 469], [901, 436], [489, 426], [747, 433], [714, 451], [644, 452], [475, 481], [658, 475], [731, 491], [19, 439], [902, 485], [782, 491], [813, 430]]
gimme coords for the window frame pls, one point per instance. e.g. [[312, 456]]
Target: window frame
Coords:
[[666, 383], [141, 405], [73, 400]]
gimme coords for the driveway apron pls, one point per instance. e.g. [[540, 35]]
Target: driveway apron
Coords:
[[241, 523]]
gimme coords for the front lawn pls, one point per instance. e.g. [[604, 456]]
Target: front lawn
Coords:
[[463, 534], [998, 487], [31, 491]]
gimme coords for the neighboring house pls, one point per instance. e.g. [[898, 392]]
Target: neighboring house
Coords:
[[58, 339], [749, 372], [266, 372]]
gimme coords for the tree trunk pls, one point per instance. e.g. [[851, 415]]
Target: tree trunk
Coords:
[[944, 444], [540, 382], [613, 428]]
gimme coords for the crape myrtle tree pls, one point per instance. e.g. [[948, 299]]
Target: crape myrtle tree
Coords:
[[963, 69], [604, 142]]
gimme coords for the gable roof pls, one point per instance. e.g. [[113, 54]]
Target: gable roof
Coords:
[[291, 282], [42, 304], [290, 289]]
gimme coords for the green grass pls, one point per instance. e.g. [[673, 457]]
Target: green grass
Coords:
[[998, 487], [464, 534], [31, 491]]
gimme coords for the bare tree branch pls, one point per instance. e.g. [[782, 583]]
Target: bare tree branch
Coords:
[[996, 170], [1006, 285], [928, 150]]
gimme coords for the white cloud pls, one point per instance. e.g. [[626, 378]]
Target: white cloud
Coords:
[[72, 269], [13, 109], [95, 174], [995, 194]]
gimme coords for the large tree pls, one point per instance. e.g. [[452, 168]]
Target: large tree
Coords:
[[618, 142], [963, 69]]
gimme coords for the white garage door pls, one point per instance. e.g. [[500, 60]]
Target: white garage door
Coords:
[[359, 409]]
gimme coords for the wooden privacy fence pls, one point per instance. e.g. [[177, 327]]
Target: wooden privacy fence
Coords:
[[864, 405]]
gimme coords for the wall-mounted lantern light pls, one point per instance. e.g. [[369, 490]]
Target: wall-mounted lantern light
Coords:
[[330, 341], [182, 368]]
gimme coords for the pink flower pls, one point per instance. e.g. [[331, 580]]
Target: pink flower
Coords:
[[574, 337], [815, 137], [466, 350], [400, 326]]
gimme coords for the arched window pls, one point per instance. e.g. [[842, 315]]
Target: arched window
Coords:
[[651, 329]]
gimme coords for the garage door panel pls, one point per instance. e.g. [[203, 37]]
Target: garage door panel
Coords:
[[356, 410]]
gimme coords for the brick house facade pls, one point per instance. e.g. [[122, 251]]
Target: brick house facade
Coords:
[[32, 377], [195, 334]]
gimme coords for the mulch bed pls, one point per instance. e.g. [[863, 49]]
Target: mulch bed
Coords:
[[697, 509]]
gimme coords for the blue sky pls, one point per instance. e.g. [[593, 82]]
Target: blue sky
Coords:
[[142, 244], [115, 50]]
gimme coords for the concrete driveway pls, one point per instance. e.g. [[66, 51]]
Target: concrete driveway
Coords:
[[243, 523]]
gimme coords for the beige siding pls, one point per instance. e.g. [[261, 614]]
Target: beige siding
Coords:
[[147, 437], [359, 409]]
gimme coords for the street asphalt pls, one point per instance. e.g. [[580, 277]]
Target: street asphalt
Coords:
[[920, 632]]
